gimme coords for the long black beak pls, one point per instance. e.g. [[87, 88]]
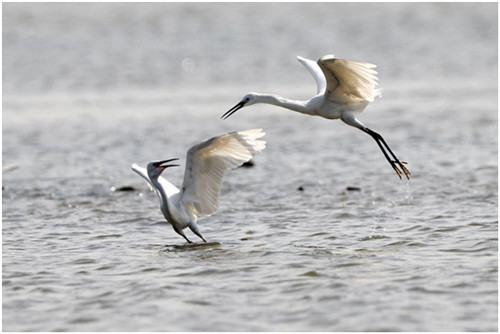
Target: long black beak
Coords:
[[161, 163], [233, 110]]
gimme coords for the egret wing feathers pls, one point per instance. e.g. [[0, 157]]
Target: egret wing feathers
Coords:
[[349, 81], [208, 161], [316, 72], [144, 174]]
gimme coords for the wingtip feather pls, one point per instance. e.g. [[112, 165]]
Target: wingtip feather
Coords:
[[251, 138]]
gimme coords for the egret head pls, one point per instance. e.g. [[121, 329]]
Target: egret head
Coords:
[[155, 168], [248, 100]]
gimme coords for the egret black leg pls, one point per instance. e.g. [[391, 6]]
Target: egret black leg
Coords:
[[194, 228], [199, 234], [394, 162], [179, 231], [189, 241], [202, 237]]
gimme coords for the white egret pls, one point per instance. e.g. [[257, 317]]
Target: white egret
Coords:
[[345, 88], [206, 164]]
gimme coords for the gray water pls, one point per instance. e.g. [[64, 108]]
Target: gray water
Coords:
[[89, 89]]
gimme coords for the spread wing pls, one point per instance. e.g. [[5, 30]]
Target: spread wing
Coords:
[[316, 72], [349, 81], [208, 161], [144, 174]]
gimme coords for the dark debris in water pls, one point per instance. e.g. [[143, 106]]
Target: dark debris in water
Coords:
[[312, 273], [349, 188], [124, 188], [248, 164]]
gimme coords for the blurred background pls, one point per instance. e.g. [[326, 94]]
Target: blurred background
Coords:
[[108, 47]]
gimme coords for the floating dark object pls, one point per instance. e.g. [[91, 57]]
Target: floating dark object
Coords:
[[248, 164], [124, 188], [300, 188], [353, 189]]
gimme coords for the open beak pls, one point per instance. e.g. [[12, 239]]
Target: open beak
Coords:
[[233, 110], [161, 163]]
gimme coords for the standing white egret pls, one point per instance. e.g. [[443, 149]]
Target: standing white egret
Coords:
[[345, 88], [206, 164]]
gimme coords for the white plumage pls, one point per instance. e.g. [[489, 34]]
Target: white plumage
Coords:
[[349, 81], [206, 164], [344, 90]]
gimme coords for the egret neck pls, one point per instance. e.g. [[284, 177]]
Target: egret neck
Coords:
[[303, 107], [163, 198]]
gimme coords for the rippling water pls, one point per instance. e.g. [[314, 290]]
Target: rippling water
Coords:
[[90, 89]]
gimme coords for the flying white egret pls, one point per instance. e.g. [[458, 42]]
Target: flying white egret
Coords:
[[345, 88], [206, 164]]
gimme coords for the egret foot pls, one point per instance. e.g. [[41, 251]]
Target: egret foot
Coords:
[[405, 170], [403, 167]]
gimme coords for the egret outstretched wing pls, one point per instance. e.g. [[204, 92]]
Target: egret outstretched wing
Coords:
[[316, 72], [208, 161], [349, 81], [142, 173]]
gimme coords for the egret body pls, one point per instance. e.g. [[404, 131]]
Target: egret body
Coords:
[[345, 88], [206, 164]]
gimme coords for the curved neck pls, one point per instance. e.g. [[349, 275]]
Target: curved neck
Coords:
[[162, 195], [295, 105]]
